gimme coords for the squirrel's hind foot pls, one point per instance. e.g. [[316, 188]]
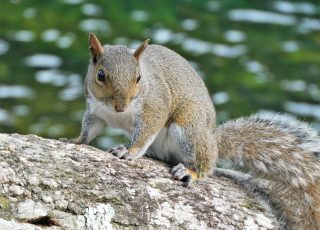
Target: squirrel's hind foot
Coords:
[[187, 176]]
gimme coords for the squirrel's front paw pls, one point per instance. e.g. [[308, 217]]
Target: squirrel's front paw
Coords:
[[122, 152], [187, 176]]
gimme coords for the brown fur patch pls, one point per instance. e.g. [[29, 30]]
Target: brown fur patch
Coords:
[[140, 49], [95, 47], [193, 174], [134, 150], [101, 90], [314, 192]]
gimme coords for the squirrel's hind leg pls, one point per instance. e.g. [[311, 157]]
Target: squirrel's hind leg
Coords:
[[197, 151]]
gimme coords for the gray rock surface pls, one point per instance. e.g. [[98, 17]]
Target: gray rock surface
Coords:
[[48, 184]]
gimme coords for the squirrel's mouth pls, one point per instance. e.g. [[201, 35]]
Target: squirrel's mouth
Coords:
[[121, 105]]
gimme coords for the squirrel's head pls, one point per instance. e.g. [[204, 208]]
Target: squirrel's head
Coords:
[[114, 73]]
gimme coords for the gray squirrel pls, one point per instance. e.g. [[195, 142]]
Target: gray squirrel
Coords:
[[159, 100]]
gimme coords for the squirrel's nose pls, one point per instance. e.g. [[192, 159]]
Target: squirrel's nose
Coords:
[[119, 108]]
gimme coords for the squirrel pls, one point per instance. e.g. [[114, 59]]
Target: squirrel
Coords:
[[163, 105]]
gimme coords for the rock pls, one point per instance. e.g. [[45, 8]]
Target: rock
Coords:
[[16, 190], [48, 184], [30, 210]]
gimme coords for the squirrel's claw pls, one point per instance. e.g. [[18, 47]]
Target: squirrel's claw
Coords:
[[119, 151], [122, 152], [179, 172]]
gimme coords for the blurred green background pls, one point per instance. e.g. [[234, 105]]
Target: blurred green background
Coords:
[[253, 55]]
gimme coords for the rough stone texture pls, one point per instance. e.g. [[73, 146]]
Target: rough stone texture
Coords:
[[48, 184]]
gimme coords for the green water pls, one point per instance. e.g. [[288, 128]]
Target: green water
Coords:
[[253, 55]]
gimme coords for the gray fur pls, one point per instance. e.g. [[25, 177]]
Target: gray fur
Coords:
[[281, 150], [91, 126], [282, 145]]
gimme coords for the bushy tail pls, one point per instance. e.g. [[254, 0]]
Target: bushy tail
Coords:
[[285, 152]]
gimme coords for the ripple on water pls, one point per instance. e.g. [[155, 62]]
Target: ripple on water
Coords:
[[22, 35], [139, 15], [21, 110], [189, 24], [37, 128], [308, 25], [71, 93], [72, 2], [43, 60], [44, 126], [234, 36], [51, 76], [74, 88], [220, 98], [66, 40], [50, 35], [4, 46], [91, 9], [54, 35], [213, 5], [254, 66], [298, 7], [260, 16], [290, 46], [92, 24], [15, 91], [162, 35], [197, 46], [314, 91], [228, 51], [179, 38], [29, 12], [121, 41], [5, 117], [303, 109], [293, 85]]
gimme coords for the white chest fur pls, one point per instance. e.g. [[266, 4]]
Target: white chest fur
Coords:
[[124, 120]]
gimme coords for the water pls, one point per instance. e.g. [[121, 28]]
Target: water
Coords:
[[253, 55]]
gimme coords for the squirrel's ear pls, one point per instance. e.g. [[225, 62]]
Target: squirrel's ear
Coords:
[[95, 48], [137, 53]]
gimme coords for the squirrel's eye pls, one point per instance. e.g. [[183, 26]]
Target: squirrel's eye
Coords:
[[138, 78], [100, 75]]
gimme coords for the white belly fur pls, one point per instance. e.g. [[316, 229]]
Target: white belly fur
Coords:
[[166, 147]]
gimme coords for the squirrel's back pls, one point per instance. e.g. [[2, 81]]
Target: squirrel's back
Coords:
[[285, 152], [163, 66]]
